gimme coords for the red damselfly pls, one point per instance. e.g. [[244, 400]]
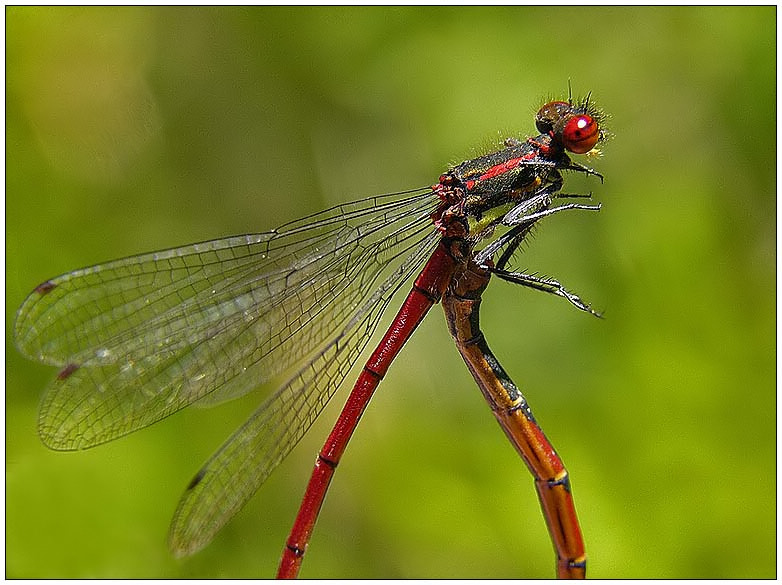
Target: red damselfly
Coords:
[[140, 338]]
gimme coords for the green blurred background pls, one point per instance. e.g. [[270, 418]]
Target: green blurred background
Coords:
[[137, 129]]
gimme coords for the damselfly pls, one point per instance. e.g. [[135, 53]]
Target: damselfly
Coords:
[[140, 338]]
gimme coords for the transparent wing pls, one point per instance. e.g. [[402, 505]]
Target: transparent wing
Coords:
[[140, 338], [245, 460]]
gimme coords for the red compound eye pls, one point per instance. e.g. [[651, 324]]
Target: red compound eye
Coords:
[[580, 134]]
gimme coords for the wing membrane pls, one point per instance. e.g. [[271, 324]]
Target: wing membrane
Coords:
[[142, 337], [247, 458]]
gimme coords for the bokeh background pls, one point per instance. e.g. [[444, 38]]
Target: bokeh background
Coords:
[[131, 129]]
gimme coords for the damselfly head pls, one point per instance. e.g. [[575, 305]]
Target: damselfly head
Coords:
[[574, 126]]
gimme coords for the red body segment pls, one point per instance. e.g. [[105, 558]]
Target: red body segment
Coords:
[[427, 290]]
